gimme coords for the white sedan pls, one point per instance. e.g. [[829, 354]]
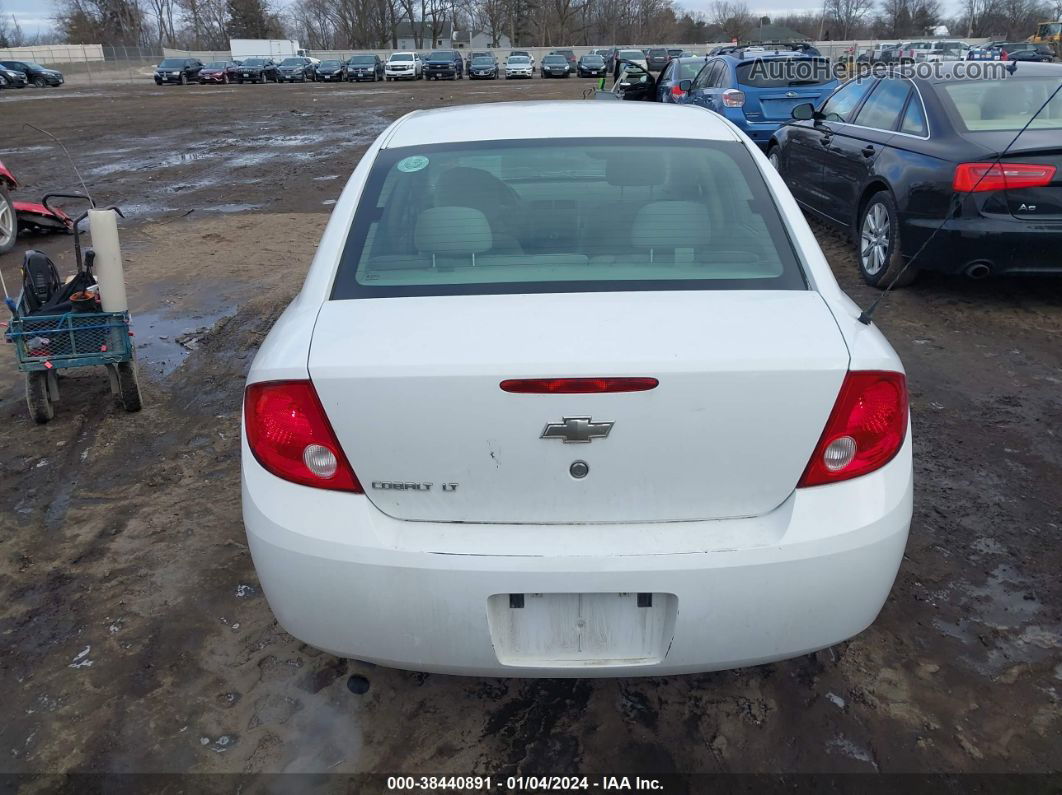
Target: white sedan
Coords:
[[590, 405], [519, 66]]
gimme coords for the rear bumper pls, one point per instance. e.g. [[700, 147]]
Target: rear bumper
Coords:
[[1007, 246], [342, 576]]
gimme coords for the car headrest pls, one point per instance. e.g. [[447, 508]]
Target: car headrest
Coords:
[[452, 230], [670, 225], [1001, 102], [641, 170], [479, 188]]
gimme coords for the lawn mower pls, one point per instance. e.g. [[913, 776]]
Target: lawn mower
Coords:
[[16, 216]]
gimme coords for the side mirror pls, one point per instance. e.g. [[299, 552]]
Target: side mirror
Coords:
[[685, 86], [803, 112]]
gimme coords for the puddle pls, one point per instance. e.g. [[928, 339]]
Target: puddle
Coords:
[[231, 208], [164, 339], [145, 209], [1001, 623], [23, 150]]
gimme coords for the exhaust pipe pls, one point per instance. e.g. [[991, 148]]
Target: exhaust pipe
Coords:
[[978, 270]]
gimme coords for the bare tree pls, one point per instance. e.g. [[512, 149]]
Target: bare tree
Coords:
[[848, 15], [116, 22], [11, 34], [732, 17]]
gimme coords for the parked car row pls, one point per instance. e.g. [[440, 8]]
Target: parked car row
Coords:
[[295, 69], [19, 74], [922, 172], [939, 50], [410, 65]]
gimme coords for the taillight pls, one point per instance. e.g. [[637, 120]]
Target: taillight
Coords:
[[977, 177], [676, 91], [865, 430], [732, 98], [290, 436], [576, 386]]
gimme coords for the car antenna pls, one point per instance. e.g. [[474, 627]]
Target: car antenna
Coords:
[[73, 165], [867, 314]]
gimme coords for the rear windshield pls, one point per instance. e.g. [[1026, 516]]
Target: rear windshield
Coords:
[[689, 69], [565, 215], [1004, 104], [658, 53], [784, 72], [632, 55]]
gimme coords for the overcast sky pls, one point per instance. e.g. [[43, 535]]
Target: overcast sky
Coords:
[[35, 15]]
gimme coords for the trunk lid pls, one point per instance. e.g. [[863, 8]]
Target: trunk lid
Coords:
[[1039, 147], [778, 104], [411, 387], [1042, 204]]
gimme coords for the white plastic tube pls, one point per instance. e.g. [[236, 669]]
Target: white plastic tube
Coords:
[[109, 270]]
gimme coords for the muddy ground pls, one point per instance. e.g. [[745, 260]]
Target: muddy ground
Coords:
[[134, 636]]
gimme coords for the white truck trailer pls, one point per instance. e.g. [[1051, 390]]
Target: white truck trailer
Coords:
[[264, 48]]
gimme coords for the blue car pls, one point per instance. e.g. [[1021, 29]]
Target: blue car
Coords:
[[677, 70], [757, 90]]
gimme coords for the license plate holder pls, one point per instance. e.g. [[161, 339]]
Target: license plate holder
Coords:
[[558, 630]]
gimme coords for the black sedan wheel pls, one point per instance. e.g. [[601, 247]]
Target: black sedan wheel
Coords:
[[180, 80], [878, 247], [40, 82]]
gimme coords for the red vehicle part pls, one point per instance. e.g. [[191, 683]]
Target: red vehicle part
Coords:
[[7, 179], [42, 218]]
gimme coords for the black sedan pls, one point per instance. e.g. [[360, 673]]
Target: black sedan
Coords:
[[556, 66], [591, 65], [258, 70], [36, 74], [365, 67], [912, 164], [9, 78], [296, 69], [482, 67], [332, 71]]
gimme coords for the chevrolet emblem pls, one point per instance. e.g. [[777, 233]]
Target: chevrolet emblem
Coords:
[[576, 430]]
